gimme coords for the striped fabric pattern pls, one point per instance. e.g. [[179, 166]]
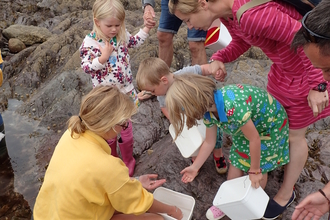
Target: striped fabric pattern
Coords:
[[271, 27]]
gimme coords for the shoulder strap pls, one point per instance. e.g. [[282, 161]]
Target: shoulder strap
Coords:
[[247, 6]]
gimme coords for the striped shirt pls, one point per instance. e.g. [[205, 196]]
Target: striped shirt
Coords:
[[272, 27]]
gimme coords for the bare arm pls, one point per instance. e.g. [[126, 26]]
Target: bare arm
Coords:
[[159, 207], [189, 173], [165, 112], [250, 132]]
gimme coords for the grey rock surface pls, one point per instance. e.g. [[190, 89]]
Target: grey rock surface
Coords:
[[47, 77], [29, 35]]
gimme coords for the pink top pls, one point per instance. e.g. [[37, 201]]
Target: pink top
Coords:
[[272, 27]]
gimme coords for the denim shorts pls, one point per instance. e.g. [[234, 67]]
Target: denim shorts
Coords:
[[171, 24]]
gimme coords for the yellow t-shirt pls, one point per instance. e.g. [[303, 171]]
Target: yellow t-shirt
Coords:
[[83, 181]]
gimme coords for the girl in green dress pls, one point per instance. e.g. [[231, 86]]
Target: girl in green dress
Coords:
[[257, 122]]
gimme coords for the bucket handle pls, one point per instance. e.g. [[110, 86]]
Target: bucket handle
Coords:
[[211, 35], [246, 178]]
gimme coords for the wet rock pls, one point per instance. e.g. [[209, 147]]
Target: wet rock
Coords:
[[16, 45], [29, 35]]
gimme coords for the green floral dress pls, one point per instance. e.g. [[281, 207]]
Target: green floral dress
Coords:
[[236, 104]]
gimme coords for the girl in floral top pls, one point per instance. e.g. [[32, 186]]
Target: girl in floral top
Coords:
[[104, 54], [257, 122]]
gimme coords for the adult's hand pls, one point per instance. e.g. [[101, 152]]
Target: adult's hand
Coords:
[[150, 182], [314, 206], [218, 70], [318, 101], [189, 174], [149, 16]]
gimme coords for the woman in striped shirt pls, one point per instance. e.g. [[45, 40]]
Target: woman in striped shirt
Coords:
[[292, 79]]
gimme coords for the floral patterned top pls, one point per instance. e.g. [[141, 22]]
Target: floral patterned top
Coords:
[[236, 105], [117, 70]]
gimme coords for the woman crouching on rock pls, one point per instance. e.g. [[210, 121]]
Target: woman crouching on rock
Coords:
[[83, 180]]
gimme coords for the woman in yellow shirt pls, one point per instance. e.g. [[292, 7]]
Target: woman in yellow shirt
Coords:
[[83, 180]]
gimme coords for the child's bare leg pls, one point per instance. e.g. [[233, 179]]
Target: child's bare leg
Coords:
[[234, 172], [218, 152], [298, 156]]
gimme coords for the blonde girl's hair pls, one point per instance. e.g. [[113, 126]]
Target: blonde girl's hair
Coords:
[[189, 96], [109, 9], [185, 6], [150, 71], [100, 110]]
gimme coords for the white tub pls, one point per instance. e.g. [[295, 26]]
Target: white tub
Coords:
[[184, 202], [240, 201]]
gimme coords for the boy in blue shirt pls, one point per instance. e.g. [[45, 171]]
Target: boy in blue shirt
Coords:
[[155, 78]]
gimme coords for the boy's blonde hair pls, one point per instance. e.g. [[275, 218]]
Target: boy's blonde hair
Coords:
[[100, 110], [109, 9], [189, 95], [150, 71]]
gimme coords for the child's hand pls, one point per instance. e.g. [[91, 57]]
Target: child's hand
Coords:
[[255, 180], [218, 70], [218, 74], [189, 174], [143, 95], [105, 52]]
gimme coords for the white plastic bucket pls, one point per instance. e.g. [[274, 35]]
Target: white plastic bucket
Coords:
[[190, 140], [217, 36], [240, 201], [182, 201]]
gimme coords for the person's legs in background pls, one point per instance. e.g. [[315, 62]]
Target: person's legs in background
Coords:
[[169, 25], [196, 40]]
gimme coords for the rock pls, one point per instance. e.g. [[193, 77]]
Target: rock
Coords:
[[16, 45], [29, 35]]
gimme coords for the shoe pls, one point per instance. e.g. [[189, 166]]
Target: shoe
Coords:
[[126, 143], [220, 164], [214, 213], [113, 146], [274, 210]]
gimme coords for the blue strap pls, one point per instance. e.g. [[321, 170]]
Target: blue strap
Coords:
[[218, 99]]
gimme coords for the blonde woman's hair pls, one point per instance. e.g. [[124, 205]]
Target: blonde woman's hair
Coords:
[[109, 9], [150, 71], [100, 110], [185, 6], [190, 95]]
